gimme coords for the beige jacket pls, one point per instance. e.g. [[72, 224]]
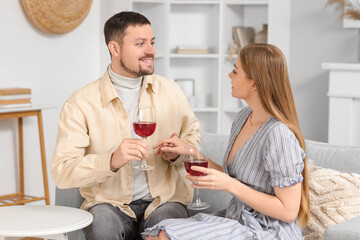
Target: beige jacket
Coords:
[[92, 124]]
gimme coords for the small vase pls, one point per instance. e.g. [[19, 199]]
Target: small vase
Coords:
[[261, 37]]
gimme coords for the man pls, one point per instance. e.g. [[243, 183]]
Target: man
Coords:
[[96, 146]]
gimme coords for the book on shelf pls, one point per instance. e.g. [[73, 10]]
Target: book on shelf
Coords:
[[243, 35], [14, 91], [192, 50], [15, 97], [15, 101]]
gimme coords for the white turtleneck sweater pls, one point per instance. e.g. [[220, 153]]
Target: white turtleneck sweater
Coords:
[[128, 90]]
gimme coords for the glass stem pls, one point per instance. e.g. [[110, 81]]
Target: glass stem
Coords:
[[143, 162], [197, 196]]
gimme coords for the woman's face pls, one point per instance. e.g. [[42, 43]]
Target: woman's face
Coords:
[[241, 85]]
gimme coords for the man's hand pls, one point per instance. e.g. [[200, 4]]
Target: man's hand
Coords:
[[171, 147], [129, 149]]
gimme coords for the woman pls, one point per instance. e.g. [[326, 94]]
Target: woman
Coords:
[[264, 166]]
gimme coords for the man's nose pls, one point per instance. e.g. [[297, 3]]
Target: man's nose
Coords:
[[150, 48]]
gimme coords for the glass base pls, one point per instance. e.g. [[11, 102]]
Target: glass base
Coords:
[[198, 205], [144, 168]]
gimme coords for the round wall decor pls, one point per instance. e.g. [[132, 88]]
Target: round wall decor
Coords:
[[56, 16]]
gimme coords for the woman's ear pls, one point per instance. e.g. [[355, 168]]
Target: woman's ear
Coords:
[[253, 87], [114, 48]]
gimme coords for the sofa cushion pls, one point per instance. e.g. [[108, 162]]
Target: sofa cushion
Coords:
[[334, 198], [214, 145], [342, 158]]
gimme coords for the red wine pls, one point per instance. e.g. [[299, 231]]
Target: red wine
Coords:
[[144, 129], [195, 162]]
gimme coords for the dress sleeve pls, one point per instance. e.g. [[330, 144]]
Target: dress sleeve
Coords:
[[284, 157]]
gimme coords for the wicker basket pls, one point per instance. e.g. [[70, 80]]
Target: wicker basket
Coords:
[[56, 16]]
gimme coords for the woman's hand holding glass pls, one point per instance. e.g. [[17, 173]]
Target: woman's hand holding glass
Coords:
[[194, 157], [212, 179]]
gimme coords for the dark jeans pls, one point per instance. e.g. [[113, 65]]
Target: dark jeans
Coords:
[[111, 223]]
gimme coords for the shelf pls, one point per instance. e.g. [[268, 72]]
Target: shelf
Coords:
[[18, 198], [205, 109], [226, 55], [232, 111], [205, 2], [246, 2], [160, 56], [341, 66], [195, 2], [149, 1], [177, 55], [209, 23]]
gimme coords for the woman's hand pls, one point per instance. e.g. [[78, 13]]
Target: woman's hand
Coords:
[[171, 147], [212, 179]]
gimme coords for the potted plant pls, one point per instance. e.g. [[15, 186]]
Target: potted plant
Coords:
[[350, 8]]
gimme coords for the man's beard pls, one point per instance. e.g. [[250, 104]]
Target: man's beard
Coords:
[[141, 72]]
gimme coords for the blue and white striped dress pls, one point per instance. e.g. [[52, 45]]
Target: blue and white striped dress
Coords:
[[271, 157]]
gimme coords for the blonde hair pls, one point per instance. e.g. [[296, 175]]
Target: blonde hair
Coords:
[[266, 66]]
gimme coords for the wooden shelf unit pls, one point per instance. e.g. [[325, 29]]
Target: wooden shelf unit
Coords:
[[20, 197], [209, 23]]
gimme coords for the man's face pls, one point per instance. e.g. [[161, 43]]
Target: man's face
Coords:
[[137, 52]]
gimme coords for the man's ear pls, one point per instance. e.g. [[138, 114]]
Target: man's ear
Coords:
[[114, 48]]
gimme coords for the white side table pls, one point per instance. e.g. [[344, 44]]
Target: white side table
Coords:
[[48, 222]]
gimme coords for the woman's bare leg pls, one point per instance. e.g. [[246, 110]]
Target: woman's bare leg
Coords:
[[162, 236]]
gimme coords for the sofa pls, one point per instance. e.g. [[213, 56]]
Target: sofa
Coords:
[[334, 159]]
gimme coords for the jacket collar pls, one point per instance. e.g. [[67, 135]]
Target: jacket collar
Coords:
[[108, 92]]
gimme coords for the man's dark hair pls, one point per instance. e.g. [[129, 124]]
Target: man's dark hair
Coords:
[[115, 27]]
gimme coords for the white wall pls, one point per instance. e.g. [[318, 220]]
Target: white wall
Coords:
[[317, 36]]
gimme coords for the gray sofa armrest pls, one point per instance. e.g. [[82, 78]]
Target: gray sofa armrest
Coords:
[[70, 198], [348, 230]]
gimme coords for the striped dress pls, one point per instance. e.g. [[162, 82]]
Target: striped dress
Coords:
[[272, 157]]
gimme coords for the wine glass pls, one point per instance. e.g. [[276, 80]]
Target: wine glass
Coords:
[[195, 158], [144, 125]]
